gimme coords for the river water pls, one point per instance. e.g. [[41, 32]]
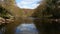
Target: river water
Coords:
[[27, 28], [24, 28]]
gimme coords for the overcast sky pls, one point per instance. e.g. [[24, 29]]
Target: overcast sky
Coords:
[[28, 4]]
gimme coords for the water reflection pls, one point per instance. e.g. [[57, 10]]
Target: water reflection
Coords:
[[26, 29], [2, 30]]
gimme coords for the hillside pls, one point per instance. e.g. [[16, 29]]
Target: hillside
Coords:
[[17, 12]]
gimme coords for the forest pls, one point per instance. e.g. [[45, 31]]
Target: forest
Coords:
[[46, 16]]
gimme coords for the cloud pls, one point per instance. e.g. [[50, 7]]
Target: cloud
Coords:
[[32, 6], [29, 4]]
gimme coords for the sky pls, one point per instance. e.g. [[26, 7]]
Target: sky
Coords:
[[27, 4]]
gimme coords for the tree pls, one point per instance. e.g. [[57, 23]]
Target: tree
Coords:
[[52, 7], [4, 16], [47, 13]]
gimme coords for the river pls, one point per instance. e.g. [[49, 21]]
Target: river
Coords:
[[27, 28]]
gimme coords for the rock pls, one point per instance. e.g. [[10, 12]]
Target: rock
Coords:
[[2, 20]]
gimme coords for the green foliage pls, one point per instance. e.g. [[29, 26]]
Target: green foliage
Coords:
[[2, 14], [51, 9], [2, 11], [54, 10]]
